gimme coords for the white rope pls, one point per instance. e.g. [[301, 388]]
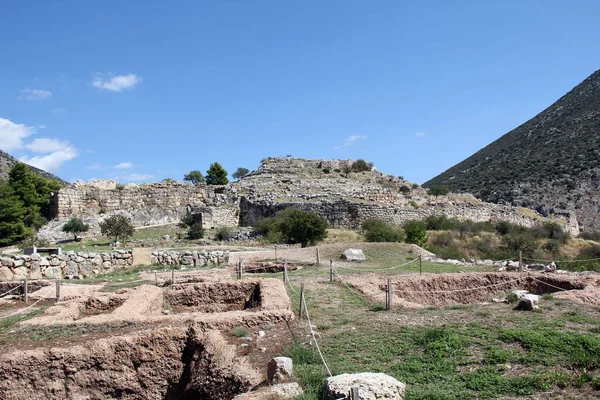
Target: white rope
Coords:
[[461, 290], [27, 308], [287, 278], [565, 261], [345, 284], [312, 333], [378, 269], [126, 283], [11, 290]]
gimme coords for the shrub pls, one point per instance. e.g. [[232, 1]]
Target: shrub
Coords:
[[439, 190], [120, 186], [361, 165], [75, 226], [416, 232], [376, 230], [441, 223], [590, 236], [223, 234], [293, 225], [239, 332], [195, 231], [404, 189], [240, 173], [550, 230], [117, 226], [326, 170]]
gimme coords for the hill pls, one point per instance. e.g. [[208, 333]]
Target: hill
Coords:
[[7, 162], [551, 163]]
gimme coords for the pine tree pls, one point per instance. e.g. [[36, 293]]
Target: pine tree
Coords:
[[12, 213], [216, 175]]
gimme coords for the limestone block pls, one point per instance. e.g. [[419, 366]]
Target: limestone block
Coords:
[[44, 262], [6, 274], [35, 271], [371, 386], [85, 270], [79, 259], [287, 390], [18, 263], [279, 369], [53, 272], [187, 260], [353, 255], [20, 273], [8, 262], [528, 302], [55, 261], [71, 268]]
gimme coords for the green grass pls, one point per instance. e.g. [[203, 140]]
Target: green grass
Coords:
[[239, 332]]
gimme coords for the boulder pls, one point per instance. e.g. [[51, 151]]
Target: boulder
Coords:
[[44, 262], [279, 369], [72, 268], [187, 260], [20, 273], [53, 272], [85, 270], [528, 302], [6, 274], [287, 390], [7, 262], [372, 386], [35, 271], [353, 255]]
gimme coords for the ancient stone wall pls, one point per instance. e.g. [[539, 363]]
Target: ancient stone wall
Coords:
[[81, 264]]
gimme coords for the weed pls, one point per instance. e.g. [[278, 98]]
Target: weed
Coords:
[[239, 332]]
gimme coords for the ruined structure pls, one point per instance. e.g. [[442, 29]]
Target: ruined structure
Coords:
[[328, 188]]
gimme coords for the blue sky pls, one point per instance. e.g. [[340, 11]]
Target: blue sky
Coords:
[[145, 90]]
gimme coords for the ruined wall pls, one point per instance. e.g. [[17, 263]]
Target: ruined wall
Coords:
[[346, 214]]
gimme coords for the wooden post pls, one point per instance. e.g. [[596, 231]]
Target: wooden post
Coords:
[[330, 270], [275, 253], [354, 395], [420, 264], [155, 278], [25, 294], [301, 300], [240, 267], [285, 276], [58, 290], [318, 257], [388, 297], [520, 260], [172, 276]]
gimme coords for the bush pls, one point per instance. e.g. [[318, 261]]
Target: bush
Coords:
[[441, 223], [404, 189], [416, 232], [117, 226], [361, 165], [439, 190], [195, 231], [194, 177], [550, 230], [223, 234], [240, 173], [376, 230], [75, 226], [293, 226], [595, 236], [120, 186], [444, 246]]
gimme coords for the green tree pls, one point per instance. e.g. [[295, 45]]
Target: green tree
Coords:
[[240, 173], [195, 231], [75, 226], [216, 175], [117, 226], [293, 226], [439, 190], [361, 165], [376, 230], [12, 213], [194, 176], [416, 232]]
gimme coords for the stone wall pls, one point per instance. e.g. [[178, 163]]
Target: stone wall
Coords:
[[81, 265]]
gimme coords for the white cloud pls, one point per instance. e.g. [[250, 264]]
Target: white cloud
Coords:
[[123, 165], [58, 156], [116, 83], [59, 111], [12, 135], [350, 140], [34, 94], [420, 134], [46, 145], [94, 166]]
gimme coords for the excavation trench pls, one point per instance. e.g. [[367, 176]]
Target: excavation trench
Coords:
[[448, 289]]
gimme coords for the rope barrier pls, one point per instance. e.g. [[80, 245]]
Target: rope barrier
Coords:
[[565, 261], [345, 284], [126, 283], [290, 284], [379, 269], [312, 333], [11, 290], [565, 290], [27, 308], [462, 290]]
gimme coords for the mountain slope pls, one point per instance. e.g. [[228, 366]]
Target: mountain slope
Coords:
[[7, 162], [550, 163]]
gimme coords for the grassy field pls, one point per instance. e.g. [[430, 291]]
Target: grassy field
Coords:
[[475, 351]]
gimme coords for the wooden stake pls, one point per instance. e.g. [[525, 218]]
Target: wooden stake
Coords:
[[58, 290], [354, 395], [388, 299], [420, 264], [330, 270], [25, 294], [172, 276], [285, 276], [318, 257], [301, 300], [520, 260], [155, 278]]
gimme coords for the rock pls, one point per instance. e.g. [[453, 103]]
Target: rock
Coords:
[[353, 255], [372, 386], [6, 274], [512, 266], [53, 272], [528, 302], [279, 369], [550, 267], [287, 390], [44, 262], [187, 260], [72, 268], [20, 273], [7, 262], [85, 270], [19, 263], [261, 333], [55, 261], [35, 271], [535, 267]]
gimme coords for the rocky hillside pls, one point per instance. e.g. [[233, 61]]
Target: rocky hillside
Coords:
[[551, 163], [7, 162]]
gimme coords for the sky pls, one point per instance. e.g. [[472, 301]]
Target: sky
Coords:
[[140, 91]]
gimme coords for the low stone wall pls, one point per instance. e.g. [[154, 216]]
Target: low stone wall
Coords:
[[81, 265]]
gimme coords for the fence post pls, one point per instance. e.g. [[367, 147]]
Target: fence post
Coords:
[[331, 270], [25, 294], [420, 264], [318, 257], [354, 395], [388, 297], [275, 253], [58, 290], [301, 299], [172, 276], [285, 275], [240, 266], [155, 278], [520, 260]]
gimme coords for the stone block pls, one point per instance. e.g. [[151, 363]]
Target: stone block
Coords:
[[20, 273], [6, 274], [53, 272], [353, 255], [72, 268], [371, 386], [279, 369]]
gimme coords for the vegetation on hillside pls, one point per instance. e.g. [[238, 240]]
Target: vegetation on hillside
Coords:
[[117, 227], [293, 226]]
